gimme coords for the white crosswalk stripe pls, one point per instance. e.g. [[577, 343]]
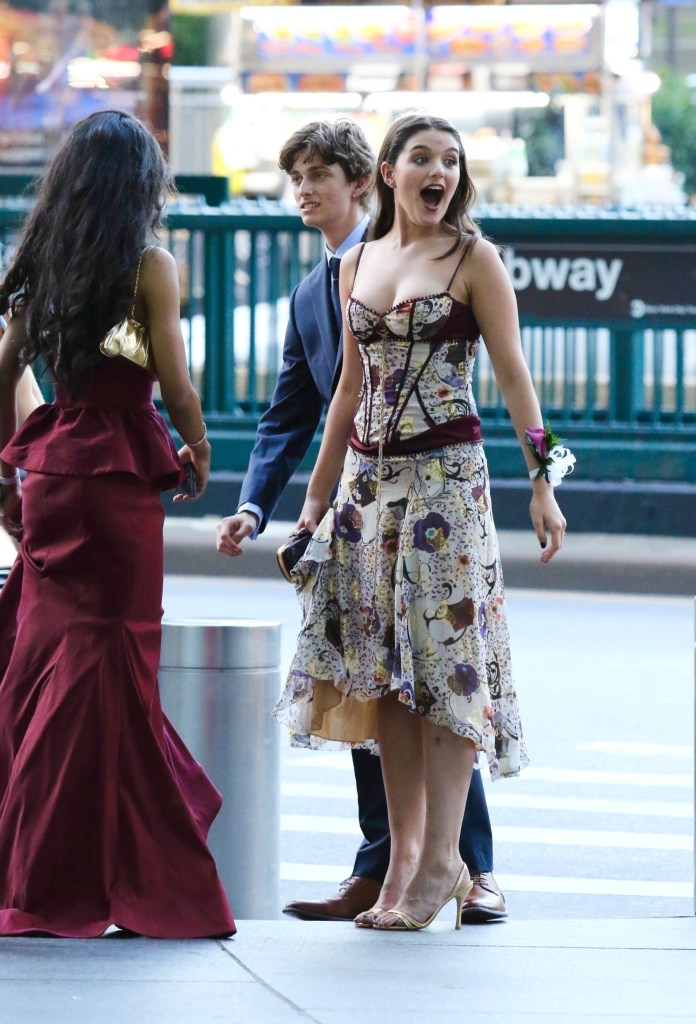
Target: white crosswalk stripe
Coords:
[[511, 834], [534, 773], [293, 872], [581, 817], [526, 801], [675, 753]]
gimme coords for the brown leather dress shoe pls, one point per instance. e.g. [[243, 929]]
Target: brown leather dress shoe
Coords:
[[485, 902], [354, 895]]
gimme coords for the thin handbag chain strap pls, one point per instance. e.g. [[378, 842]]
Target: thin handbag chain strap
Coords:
[[137, 279], [380, 454], [380, 447]]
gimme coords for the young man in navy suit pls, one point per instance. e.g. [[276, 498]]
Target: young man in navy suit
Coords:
[[331, 167]]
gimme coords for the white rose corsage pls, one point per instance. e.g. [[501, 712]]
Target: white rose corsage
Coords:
[[555, 461]]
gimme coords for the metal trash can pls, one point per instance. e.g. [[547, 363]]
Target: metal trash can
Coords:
[[219, 680]]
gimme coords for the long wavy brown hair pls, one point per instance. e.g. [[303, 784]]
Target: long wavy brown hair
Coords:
[[457, 214], [74, 270]]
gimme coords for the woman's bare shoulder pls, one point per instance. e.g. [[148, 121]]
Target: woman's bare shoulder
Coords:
[[349, 262], [483, 251], [350, 258], [156, 259], [484, 260], [158, 268]]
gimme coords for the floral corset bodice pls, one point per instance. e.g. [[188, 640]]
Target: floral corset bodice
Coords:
[[418, 361]]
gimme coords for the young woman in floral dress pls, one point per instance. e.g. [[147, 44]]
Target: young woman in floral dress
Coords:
[[404, 639]]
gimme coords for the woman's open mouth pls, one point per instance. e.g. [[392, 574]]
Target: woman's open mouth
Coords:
[[432, 196]]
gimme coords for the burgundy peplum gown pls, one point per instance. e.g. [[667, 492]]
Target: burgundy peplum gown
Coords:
[[103, 811]]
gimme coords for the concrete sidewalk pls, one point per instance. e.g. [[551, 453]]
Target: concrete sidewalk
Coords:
[[282, 972], [616, 563]]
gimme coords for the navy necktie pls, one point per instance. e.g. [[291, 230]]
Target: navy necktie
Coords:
[[334, 268]]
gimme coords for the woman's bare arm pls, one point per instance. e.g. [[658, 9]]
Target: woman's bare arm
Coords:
[[160, 291], [340, 416], [495, 308]]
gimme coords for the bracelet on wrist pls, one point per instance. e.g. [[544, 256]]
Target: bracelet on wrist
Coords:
[[555, 461], [195, 444], [8, 481]]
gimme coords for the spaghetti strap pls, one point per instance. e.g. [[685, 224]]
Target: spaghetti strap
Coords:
[[459, 262], [357, 262], [137, 278]]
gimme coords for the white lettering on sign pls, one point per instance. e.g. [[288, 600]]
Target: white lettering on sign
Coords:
[[580, 274], [638, 308]]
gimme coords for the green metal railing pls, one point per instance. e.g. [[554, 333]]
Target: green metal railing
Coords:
[[238, 271], [623, 390]]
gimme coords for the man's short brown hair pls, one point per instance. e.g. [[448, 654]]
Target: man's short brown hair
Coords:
[[335, 142]]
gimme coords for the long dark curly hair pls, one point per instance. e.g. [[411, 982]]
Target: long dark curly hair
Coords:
[[74, 270], [457, 215]]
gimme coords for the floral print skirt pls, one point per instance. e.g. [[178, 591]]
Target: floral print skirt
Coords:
[[401, 590]]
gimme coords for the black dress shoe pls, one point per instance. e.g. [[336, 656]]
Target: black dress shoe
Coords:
[[485, 902], [354, 895]]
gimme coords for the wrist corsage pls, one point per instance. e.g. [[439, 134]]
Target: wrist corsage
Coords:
[[554, 460]]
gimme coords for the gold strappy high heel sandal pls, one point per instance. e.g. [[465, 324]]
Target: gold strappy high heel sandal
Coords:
[[406, 923]]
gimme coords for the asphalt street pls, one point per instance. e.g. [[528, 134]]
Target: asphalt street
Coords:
[[600, 825]]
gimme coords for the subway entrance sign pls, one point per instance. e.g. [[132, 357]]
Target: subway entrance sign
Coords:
[[617, 269], [643, 285]]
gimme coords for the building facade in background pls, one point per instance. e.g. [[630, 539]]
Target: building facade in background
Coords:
[[61, 60]]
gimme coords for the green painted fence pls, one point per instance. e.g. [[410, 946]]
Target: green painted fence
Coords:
[[607, 306]]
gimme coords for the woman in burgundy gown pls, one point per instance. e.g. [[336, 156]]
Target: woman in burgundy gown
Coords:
[[103, 811]]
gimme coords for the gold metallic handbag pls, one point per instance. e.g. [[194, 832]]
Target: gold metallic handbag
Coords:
[[130, 338]]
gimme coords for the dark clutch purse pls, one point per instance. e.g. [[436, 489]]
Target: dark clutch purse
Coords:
[[292, 551]]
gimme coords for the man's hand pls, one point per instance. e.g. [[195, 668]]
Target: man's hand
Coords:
[[232, 531]]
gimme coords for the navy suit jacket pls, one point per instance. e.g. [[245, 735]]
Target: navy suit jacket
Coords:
[[312, 355]]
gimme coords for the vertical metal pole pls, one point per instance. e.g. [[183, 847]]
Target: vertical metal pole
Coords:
[[626, 381], [274, 281], [228, 370], [212, 303], [569, 383], [191, 291], [680, 380], [657, 375], [591, 375], [252, 397]]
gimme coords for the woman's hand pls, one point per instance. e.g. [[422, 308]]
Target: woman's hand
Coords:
[[547, 518], [313, 511], [199, 457], [11, 509]]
